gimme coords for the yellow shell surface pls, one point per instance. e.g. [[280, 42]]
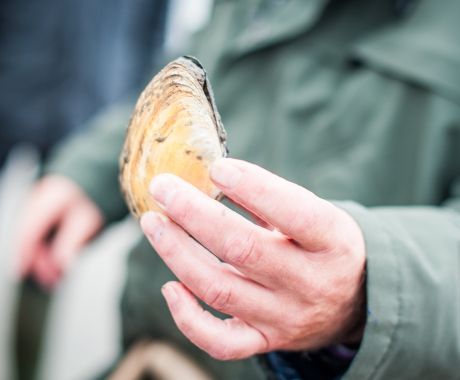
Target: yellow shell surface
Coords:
[[175, 128]]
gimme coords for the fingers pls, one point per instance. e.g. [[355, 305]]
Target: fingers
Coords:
[[228, 339], [209, 279], [78, 226], [58, 220], [42, 215], [294, 210], [254, 250], [44, 270]]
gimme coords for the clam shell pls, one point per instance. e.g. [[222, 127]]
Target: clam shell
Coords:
[[175, 128]]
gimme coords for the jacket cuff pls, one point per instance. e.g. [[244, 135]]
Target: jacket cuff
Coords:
[[384, 293]]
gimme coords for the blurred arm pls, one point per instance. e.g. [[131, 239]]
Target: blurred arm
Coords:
[[90, 160], [78, 194]]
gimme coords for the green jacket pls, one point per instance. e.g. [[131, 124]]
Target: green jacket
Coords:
[[358, 101]]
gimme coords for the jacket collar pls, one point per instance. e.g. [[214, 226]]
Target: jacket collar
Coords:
[[267, 22]]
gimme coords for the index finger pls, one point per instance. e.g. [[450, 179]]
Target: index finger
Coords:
[[255, 251], [292, 209], [40, 219]]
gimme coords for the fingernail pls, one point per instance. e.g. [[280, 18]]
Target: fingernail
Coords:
[[163, 189], [153, 225], [224, 173], [169, 293]]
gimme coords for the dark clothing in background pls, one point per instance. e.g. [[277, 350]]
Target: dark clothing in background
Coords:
[[62, 60]]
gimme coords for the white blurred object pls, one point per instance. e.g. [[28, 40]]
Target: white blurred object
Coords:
[[83, 327], [184, 19], [83, 333], [16, 177]]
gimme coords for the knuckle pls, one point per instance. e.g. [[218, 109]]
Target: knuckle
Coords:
[[242, 250], [218, 297]]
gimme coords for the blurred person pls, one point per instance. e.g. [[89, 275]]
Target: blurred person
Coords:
[[60, 62], [355, 101]]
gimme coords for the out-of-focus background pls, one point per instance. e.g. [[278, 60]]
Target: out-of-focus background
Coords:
[[62, 62]]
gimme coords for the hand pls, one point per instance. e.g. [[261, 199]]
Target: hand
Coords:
[[296, 287], [58, 220]]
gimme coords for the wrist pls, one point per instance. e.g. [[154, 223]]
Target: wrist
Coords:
[[354, 331]]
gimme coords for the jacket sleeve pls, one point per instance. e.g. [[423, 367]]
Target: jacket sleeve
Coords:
[[413, 292], [90, 159]]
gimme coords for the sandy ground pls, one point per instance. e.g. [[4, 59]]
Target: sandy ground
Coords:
[[82, 334]]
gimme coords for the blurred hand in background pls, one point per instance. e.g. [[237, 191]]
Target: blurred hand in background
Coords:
[[59, 219]]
